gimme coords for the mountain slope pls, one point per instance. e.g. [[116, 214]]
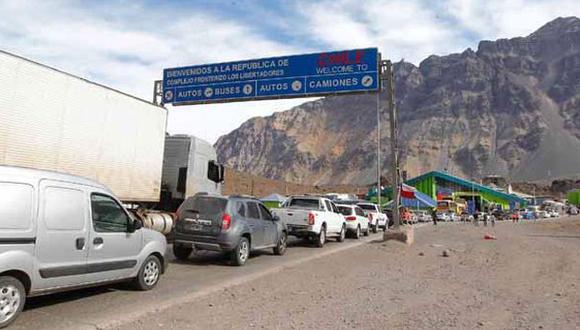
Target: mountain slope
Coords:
[[511, 108]]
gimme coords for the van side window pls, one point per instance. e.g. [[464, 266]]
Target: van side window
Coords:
[[16, 205], [108, 216], [64, 208]]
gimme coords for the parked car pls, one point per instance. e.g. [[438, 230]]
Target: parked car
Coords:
[[453, 216], [541, 214], [553, 213], [423, 216], [312, 217], [442, 216], [236, 225], [61, 232], [356, 221], [379, 220], [466, 217]]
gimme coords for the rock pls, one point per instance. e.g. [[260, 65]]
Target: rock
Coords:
[[487, 105], [421, 254], [480, 324], [445, 253]]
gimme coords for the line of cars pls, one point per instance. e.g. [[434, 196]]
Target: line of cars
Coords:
[[61, 232]]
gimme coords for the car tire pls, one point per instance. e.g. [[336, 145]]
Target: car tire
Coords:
[[241, 253], [149, 274], [181, 252], [375, 228], [282, 244], [320, 238], [357, 232], [342, 234], [14, 296]]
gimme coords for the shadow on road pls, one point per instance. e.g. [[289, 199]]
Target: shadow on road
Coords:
[[62, 297]]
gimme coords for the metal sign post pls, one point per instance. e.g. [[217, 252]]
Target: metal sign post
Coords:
[[394, 145]]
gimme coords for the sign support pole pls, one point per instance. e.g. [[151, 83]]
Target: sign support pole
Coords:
[[158, 92], [379, 190], [394, 145]]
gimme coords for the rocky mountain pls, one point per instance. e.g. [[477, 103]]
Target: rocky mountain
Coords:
[[511, 108]]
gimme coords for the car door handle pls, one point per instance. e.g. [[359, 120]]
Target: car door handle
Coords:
[[98, 240], [80, 243]]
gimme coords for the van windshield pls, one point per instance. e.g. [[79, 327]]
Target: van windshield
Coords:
[[304, 203], [206, 206]]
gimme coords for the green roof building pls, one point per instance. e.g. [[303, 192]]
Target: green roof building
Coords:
[[438, 185]]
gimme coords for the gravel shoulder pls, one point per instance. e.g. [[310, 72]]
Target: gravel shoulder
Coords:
[[528, 278]]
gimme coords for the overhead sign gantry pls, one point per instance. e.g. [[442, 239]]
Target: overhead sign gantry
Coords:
[[319, 74], [306, 75]]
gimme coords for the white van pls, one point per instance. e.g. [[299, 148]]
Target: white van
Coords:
[[59, 232]]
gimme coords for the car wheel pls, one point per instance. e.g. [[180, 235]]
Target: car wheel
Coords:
[[241, 252], [321, 238], [181, 252], [375, 228], [342, 234], [280, 248], [12, 299], [367, 232], [357, 232], [148, 275]]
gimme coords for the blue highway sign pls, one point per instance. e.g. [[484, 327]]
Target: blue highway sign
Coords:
[[349, 71]]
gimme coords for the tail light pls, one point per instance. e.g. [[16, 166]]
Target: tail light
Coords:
[[350, 218], [311, 218], [226, 221]]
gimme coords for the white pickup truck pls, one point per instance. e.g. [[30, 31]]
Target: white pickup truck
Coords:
[[312, 217], [377, 218]]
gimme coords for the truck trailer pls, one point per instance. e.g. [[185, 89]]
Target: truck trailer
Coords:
[[52, 120]]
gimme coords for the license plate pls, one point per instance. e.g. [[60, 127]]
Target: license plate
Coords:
[[195, 227]]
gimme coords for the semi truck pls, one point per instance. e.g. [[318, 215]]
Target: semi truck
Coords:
[[52, 120]]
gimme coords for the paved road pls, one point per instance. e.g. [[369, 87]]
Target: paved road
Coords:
[[112, 305], [526, 279]]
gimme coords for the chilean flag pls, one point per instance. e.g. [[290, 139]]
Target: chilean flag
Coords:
[[407, 191]]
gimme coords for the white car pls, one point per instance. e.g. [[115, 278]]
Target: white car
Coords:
[[442, 216], [542, 214], [312, 217], [453, 216], [554, 213], [423, 216], [356, 221], [378, 219]]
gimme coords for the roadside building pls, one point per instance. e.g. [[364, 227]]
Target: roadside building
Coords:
[[442, 186]]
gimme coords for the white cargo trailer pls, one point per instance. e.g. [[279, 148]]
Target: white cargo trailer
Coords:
[[56, 121]]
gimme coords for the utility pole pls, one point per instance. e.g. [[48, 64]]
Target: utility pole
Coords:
[[390, 77]]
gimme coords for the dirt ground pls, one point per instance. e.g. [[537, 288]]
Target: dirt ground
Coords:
[[528, 278]]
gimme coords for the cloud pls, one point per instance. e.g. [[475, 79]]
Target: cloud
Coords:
[[126, 44], [494, 19]]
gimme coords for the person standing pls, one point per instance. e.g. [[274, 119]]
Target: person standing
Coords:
[[434, 216]]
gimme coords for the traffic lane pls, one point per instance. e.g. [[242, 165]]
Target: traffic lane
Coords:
[[89, 308]]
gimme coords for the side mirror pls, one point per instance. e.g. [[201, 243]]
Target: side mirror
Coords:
[[135, 225], [275, 218]]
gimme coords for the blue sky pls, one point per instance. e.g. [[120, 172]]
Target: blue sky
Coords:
[[126, 44]]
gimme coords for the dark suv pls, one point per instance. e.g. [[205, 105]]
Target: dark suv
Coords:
[[234, 224]]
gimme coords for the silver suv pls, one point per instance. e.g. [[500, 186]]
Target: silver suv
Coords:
[[59, 232], [235, 224]]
